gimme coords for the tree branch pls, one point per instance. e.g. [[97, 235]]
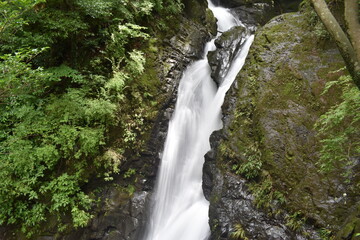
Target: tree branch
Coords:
[[353, 24], [344, 45]]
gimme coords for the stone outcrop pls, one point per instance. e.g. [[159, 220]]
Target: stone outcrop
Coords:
[[236, 3], [228, 45], [252, 14], [281, 5], [258, 12], [232, 203]]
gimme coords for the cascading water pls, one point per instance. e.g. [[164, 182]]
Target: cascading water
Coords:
[[179, 208]]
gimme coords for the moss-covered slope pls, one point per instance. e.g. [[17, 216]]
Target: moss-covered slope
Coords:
[[269, 139]]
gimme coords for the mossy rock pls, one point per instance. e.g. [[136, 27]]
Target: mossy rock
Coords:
[[278, 100], [351, 228]]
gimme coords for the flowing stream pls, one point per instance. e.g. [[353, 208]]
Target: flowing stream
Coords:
[[179, 208]]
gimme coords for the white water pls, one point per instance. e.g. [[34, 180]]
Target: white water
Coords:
[[180, 210]]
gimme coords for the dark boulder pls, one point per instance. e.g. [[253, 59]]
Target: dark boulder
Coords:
[[256, 14], [228, 45], [282, 6], [259, 12], [237, 3]]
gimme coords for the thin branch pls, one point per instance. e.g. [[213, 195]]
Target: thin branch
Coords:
[[342, 41]]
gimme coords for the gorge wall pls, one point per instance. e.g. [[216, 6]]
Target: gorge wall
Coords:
[[261, 177]]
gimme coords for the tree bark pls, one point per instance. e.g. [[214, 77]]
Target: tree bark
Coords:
[[353, 25], [342, 41]]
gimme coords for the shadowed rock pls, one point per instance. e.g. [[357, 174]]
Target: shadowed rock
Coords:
[[228, 45]]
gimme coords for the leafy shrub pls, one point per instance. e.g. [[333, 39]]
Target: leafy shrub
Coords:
[[339, 129], [69, 70], [252, 167]]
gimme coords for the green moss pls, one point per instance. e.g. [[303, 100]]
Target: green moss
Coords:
[[350, 229], [210, 22], [278, 101]]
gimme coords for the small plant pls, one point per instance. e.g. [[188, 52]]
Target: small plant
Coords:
[[238, 233], [130, 172], [295, 221], [252, 167], [111, 161], [265, 194], [325, 234], [130, 189], [225, 151]]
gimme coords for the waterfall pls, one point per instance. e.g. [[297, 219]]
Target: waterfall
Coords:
[[179, 208]]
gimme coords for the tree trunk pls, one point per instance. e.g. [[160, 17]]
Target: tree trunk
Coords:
[[353, 25], [345, 47]]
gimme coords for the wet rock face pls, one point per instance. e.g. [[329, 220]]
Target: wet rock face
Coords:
[[237, 3], [252, 13], [120, 221], [257, 13], [231, 204], [236, 202], [228, 45], [125, 218], [183, 48], [273, 106], [282, 5]]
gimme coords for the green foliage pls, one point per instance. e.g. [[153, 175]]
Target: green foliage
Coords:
[[320, 31], [225, 151], [120, 38], [44, 135], [110, 161], [129, 173], [339, 129], [252, 167], [18, 79], [96, 9], [325, 234], [314, 22], [12, 15], [265, 194], [70, 71], [130, 190], [65, 72], [238, 233], [68, 27], [295, 221], [43, 139]]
